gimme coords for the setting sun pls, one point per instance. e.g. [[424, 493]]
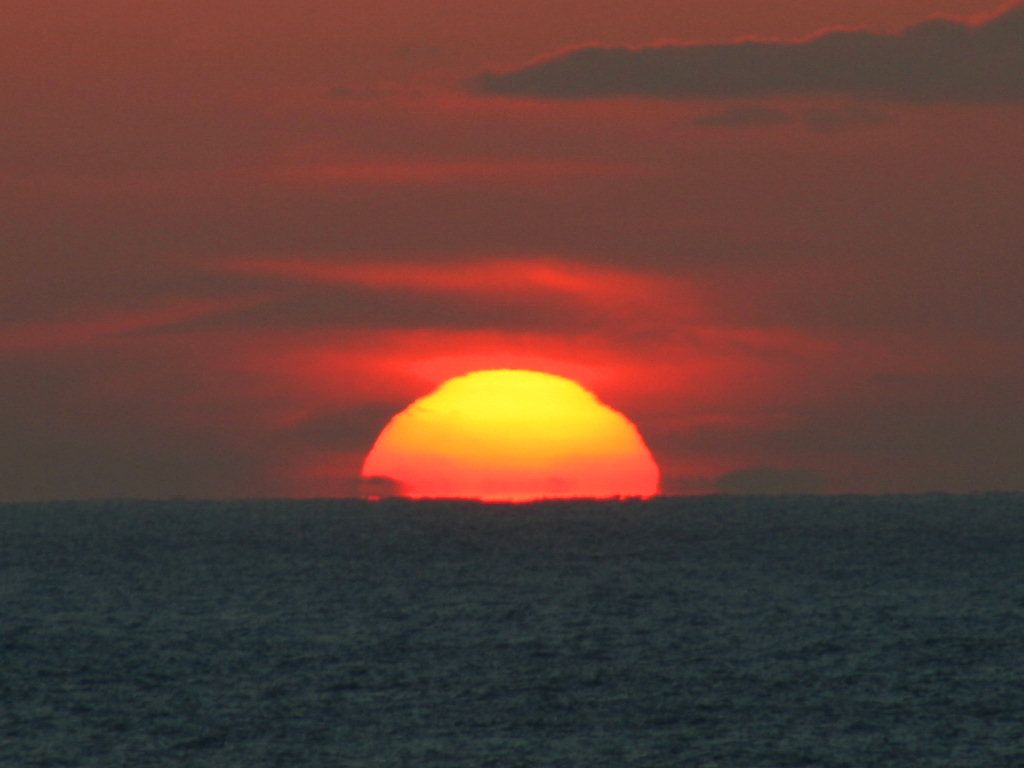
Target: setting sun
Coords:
[[511, 435]]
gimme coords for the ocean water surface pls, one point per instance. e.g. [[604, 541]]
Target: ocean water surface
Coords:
[[732, 632]]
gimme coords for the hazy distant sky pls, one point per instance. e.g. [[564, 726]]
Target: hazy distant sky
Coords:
[[784, 237]]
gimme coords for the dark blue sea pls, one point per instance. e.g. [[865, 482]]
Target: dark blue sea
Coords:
[[722, 631]]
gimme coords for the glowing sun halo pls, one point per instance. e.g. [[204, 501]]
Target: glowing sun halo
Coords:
[[512, 435]]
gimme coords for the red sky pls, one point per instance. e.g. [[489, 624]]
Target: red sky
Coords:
[[236, 241]]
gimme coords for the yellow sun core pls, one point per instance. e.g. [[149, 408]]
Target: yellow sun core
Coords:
[[511, 435]]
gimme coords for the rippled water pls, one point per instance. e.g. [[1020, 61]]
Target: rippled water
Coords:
[[761, 633]]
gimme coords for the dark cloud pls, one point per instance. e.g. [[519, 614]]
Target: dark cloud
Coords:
[[378, 487], [767, 480], [938, 60]]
